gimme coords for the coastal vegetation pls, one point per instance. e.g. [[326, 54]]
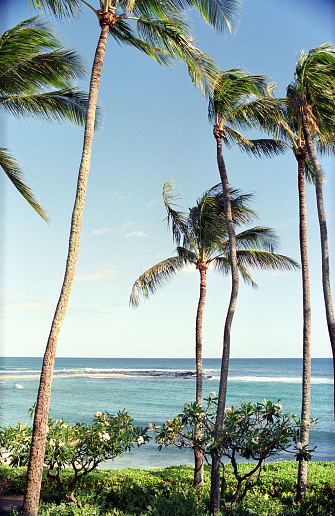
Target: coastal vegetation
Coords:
[[237, 101], [202, 241], [80, 447], [162, 33], [36, 75], [170, 492]]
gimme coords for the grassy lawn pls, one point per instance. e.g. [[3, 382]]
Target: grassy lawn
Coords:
[[169, 491]]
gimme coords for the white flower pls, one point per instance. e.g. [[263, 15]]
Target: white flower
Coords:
[[213, 393], [104, 436], [140, 440], [60, 444], [52, 442], [64, 425], [228, 409], [98, 414], [278, 406], [48, 429]]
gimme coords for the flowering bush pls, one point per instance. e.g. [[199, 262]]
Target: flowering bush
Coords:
[[81, 446], [252, 431]]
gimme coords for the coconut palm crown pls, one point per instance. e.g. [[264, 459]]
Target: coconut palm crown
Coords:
[[159, 29], [202, 234], [36, 73]]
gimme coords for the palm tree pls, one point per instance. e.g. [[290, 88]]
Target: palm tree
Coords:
[[35, 75], [314, 92], [159, 29], [238, 101], [203, 234], [288, 131]]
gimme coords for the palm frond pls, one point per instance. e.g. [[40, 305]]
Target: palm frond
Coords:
[[232, 89], [176, 218], [61, 105], [222, 15], [123, 33], [154, 278], [59, 8], [257, 238], [263, 260], [264, 147], [222, 264], [173, 36], [187, 254], [10, 166]]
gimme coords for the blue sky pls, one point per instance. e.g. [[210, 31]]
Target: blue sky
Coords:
[[155, 128]]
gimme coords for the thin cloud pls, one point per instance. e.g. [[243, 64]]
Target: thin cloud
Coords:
[[118, 195], [136, 234], [104, 276], [101, 231]]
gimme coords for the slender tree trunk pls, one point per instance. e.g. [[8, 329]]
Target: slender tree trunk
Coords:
[[323, 237], [198, 458], [37, 450], [306, 372], [216, 459]]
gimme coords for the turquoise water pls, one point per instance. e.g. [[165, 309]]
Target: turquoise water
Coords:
[[154, 390]]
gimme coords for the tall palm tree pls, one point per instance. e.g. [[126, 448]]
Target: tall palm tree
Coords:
[[288, 131], [159, 29], [35, 81], [314, 92], [201, 238], [238, 100]]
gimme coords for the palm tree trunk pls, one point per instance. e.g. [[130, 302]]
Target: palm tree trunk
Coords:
[[37, 450], [306, 372], [198, 458], [216, 459], [323, 237]]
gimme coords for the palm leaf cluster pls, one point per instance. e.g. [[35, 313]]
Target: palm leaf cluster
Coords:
[[240, 101], [160, 29], [202, 239], [35, 81]]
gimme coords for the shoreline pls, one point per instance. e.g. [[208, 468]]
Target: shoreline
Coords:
[[71, 375]]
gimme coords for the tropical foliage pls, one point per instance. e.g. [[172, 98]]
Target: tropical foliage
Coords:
[[80, 447], [254, 431], [162, 33], [36, 75]]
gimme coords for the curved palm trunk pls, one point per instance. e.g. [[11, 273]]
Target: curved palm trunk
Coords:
[[216, 459], [323, 237], [198, 458], [37, 450], [306, 372]]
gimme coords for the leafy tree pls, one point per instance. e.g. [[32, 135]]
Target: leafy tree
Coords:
[[238, 101], [251, 430], [159, 30], [202, 241], [35, 81], [81, 447]]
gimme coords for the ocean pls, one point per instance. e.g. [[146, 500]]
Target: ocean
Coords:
[[154, 390]]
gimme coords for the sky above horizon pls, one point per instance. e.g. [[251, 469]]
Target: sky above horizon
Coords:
[[155, 127]]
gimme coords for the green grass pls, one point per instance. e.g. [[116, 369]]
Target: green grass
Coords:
[[169, 491]]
